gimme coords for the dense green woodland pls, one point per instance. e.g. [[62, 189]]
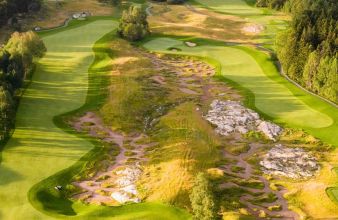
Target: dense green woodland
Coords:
[[276, 4], [16, 63], [171, 1], [307, 50], [8, 8]]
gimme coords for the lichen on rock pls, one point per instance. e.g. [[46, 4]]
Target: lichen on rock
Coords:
[[232, 116], [126, 190], [290, 162]]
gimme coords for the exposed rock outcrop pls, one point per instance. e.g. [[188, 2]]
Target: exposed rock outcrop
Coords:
[[290, 162], [232, 116], [126, 190]]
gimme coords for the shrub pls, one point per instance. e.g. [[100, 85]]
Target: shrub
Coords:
[[133, 24], [202, 200]]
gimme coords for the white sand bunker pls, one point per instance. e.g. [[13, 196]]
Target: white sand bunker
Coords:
[[190, 44], [290, 162], [253, 29], [231, 116], [80, 16]]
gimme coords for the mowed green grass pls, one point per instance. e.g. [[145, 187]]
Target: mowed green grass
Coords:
[[273, 96], [272, 21], [38, 149], [235, 7]]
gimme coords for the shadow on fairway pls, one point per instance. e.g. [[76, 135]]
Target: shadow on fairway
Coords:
[[11, 176]]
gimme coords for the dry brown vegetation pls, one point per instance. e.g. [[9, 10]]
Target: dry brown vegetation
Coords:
[[198, 22], [54, 14]]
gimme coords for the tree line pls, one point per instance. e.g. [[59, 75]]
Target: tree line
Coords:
[[307, 50], [275, 4], [171, 1], [9, 8], [16, 64]]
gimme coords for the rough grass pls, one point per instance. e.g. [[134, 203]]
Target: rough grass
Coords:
[[273, 95], [180, 20], [133, 98], [316, 189], [39, 149], [187, 145], [254, 73], [238, 149], [186, 142]]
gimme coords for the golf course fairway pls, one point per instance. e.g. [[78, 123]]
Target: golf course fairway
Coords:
[[38, 149], [272, 21], [274, 96]]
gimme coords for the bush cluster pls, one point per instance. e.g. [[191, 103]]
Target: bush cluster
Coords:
[[133, 24], [307, 50]]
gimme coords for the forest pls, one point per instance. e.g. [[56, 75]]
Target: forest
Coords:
[[8, 8], [307, 50]]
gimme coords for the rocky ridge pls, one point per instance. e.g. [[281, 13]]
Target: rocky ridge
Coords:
[[231, 116], [290, 162]]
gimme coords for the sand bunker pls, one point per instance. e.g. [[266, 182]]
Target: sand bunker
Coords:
[[190, 44], [253, 29]]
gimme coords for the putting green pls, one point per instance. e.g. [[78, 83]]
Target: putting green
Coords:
[[272, 21], [235, 7], [38, 149], [272, 94]]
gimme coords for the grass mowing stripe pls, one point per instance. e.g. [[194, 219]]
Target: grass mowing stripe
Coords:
[[52, 203], [38, 148]]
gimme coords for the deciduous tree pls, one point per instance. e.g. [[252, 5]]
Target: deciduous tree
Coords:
[[202, 200], [133, 24]]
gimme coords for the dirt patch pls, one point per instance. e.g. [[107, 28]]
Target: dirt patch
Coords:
[[117, 183], [159, 79], [188, 91], [278, 208], [183, 78], [187, 20]]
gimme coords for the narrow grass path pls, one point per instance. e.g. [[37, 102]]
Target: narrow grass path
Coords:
[[273, 95]]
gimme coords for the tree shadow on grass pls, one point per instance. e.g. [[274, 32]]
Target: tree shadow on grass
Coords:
[[54, 203], [8, 176]]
